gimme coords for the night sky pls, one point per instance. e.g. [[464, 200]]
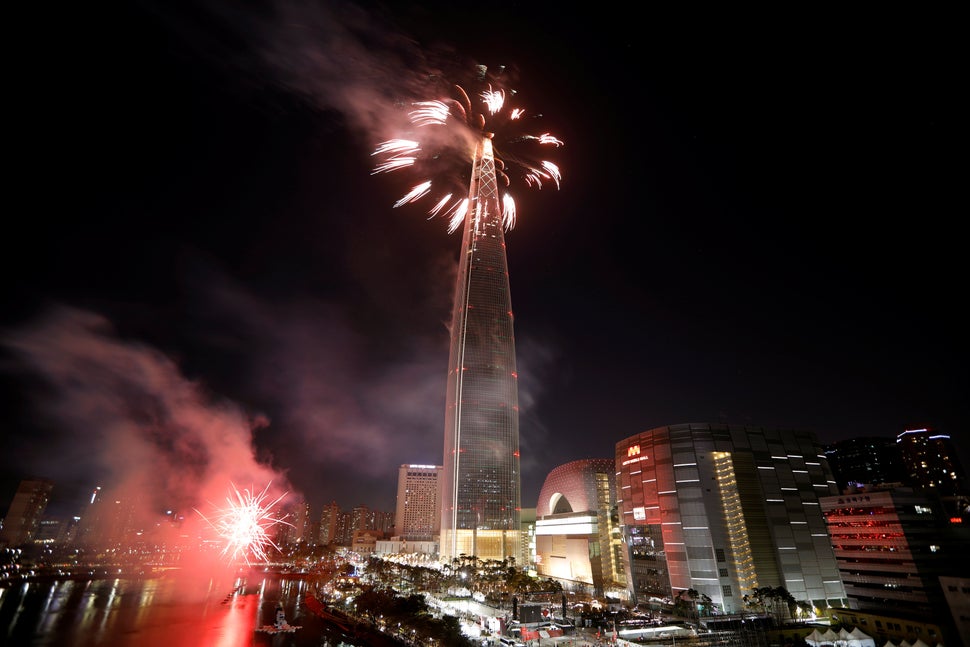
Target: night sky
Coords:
[[758, 223]]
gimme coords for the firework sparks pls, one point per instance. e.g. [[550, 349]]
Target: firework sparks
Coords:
[[245, 522], [400, 153], [444, 162]]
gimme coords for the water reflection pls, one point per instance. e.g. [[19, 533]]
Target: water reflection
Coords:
[[173, 610]]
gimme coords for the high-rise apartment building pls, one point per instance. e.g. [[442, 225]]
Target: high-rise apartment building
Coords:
[[330, 524], [931, 461], [418, 512], [344, 532], [384, 521], [26, 509], [724, 509], [295, 529], [481, 479], [361, 518]]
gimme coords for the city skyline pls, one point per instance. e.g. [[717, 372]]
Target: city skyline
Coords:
[[753, 228]]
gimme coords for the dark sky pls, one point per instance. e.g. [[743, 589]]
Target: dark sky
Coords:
[[758, 223]]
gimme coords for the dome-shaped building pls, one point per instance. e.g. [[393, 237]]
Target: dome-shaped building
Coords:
[[578, 538]]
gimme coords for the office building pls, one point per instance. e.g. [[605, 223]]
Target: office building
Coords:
[[418, 512], [725, 509], [893, 546], [481, 479]]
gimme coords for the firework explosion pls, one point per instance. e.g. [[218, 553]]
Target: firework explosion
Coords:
[[435, 151], [245, 522]]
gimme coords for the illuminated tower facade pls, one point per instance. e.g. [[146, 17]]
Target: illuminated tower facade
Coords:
[[481, 481]]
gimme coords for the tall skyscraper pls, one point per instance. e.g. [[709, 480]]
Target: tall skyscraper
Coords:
[[418, 512], [24, 515], [481, 480]]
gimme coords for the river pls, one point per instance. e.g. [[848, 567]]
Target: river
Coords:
[[172, 609]]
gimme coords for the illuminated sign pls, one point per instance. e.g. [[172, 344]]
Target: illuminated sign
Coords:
[[634, 451], [639, 514]]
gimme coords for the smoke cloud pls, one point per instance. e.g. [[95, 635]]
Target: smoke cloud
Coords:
[[119, 414], [348, 407]]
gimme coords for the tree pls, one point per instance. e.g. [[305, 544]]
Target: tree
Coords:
[[775, 602], [805, 609], [691, 604]]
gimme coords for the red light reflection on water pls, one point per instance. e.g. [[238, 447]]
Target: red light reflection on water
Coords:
[[193, 625], [237, 626]]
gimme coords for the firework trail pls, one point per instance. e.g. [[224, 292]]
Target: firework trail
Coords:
[[442, 145], [245, 522]]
